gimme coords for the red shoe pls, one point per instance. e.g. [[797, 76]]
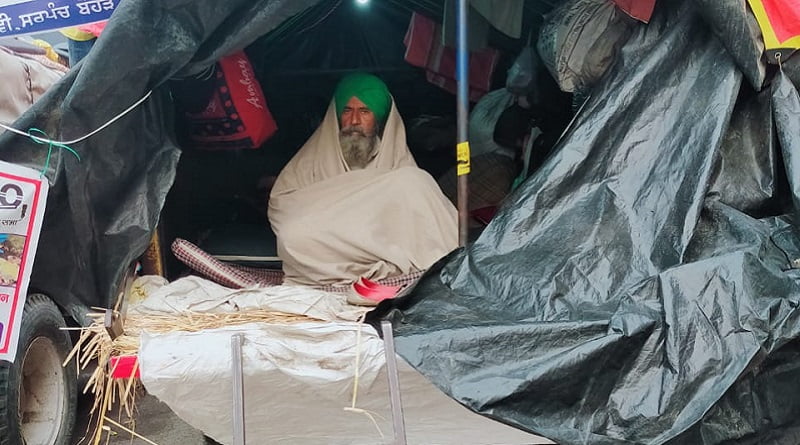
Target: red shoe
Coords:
[[375, 285], [369, 293]]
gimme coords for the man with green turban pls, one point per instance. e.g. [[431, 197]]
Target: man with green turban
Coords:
[[362, 105], [368, 89], [352, 202]]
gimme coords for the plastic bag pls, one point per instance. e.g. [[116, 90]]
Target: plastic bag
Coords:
[[482, 121], [578, 41], [521, 77]]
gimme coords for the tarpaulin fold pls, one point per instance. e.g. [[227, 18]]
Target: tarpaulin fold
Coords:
[[786, 109], [614, 300], [737, 28], [760, 407], [746, 176]]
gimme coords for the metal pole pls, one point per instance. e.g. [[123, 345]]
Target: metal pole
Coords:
[[238, 390], [394, 384], [462, 150]]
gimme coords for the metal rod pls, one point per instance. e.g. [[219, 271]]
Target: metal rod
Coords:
[[238, 390], [394, 384], [462, 63]]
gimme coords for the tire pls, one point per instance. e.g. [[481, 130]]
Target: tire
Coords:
[[37, 375]]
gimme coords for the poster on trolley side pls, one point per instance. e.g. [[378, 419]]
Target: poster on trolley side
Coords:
[[23, 195]]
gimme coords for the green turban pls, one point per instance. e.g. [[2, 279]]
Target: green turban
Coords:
[[368, 89]]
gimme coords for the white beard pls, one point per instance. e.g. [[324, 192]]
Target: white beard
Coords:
[[358, 149]]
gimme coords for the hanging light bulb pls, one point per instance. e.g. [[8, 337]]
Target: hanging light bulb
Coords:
[[362, 2]]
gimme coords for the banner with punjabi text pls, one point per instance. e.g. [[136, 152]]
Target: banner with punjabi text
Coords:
[[37, 16]]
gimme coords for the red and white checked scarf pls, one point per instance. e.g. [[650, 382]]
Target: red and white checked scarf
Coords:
[[238, 277]]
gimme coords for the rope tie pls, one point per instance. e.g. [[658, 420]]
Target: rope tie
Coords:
[[352, 408], [50, 144], [64, 145]]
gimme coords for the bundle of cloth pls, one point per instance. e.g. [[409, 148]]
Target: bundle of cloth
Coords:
[[25, 81]]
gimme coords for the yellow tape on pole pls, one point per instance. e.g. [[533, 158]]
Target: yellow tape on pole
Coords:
[[463, 158]]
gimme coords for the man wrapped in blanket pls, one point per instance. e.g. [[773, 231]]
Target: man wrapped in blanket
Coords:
[[352, 202]]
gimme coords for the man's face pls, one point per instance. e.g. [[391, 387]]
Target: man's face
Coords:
[[356, 117], [358, 134]]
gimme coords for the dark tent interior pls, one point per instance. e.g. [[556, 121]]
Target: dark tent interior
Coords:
[[298, 65]]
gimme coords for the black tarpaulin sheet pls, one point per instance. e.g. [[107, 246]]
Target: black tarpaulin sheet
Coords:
[[737, 29], [102, 211], [786, 111], [613, 300], [747, 175]]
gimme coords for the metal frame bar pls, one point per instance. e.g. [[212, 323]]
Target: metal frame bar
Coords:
[[398, 420], [238, 390]]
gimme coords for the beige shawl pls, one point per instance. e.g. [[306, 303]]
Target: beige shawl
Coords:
[[335, 225], [24, 81]]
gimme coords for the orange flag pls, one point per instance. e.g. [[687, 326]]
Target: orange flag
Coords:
[[779, 21]]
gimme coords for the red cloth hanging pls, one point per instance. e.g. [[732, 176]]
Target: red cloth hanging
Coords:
[[237, 115], [424, 49], [641, 10]]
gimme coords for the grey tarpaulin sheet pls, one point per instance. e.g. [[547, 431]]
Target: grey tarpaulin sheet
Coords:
[[102, 210], [613, 300]]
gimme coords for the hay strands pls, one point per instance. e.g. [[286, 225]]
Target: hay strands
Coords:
[[96, 346]]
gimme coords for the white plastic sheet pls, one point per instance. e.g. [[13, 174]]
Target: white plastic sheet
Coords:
[[298, 377]]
